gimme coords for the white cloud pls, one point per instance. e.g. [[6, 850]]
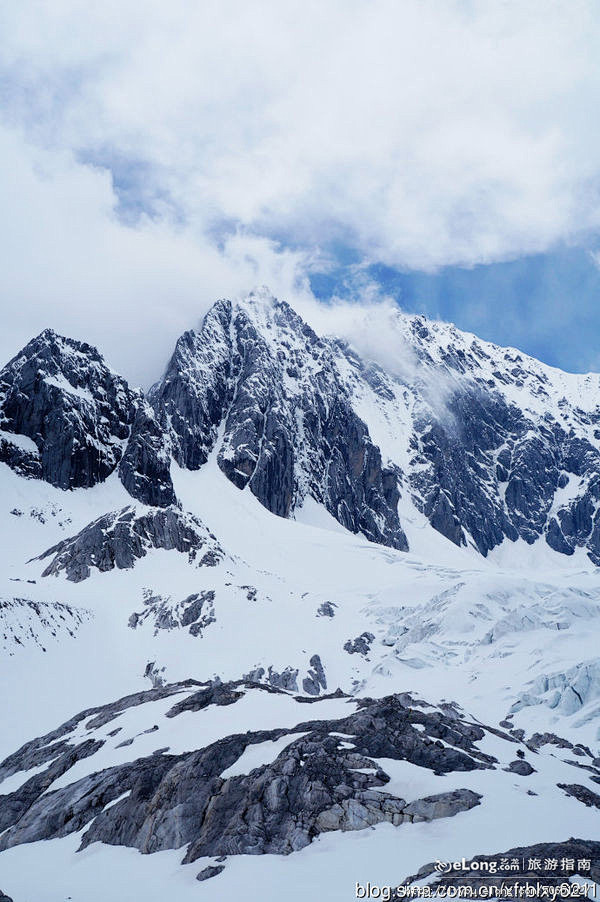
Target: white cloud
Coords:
[[422, 133], [69, 263]]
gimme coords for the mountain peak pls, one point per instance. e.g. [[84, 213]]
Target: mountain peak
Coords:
[[60, 345], [59, 393], [259, 372], [484, 442]]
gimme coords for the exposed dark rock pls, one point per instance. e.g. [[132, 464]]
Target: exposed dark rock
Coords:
[[45, 748], [120, 538], [197, 612], [145, 466], [582, 794], [15, 805], [537, 740], [315, 784], [154, 673], [315, 679], [481, 469], [520, 767], [453, 484], [278, 434], [287, 680], [326, 609], [582, 751], [193, 393], [60, 393], [589, 768], [212, 694], [310, 699], [485, 468], [25, 462], [361, 645], [206, 873]]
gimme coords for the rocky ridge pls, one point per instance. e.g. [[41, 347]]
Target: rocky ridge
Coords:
[[488, 444], [120, 538], [317, 783], [261, 791]]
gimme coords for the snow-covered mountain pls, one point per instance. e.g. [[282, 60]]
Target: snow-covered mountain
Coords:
[[289, 594]]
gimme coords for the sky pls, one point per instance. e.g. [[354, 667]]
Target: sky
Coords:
[[155, 157]]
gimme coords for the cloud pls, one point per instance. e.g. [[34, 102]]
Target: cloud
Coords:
[[372, 324], [157, 157], [70, 263], [430, 133]]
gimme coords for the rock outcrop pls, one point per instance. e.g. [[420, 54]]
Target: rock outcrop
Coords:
[[194, 613], [61, 394], [145, 468], [317, 782], [120, 538]]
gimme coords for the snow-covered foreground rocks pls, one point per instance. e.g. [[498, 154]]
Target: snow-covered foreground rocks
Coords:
[[295, 619], [160, 770]]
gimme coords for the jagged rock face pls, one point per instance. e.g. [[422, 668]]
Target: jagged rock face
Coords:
[[192, 396], [60, 393], [287, 679], [289, 428], [493, 473], [317, 782], [361, 645], [496, 471], [195, 613], [145, 466], [23, 459], [493, 445], [490, 459], [453, 479], [583, 794], [120, 538], [316, 679]]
